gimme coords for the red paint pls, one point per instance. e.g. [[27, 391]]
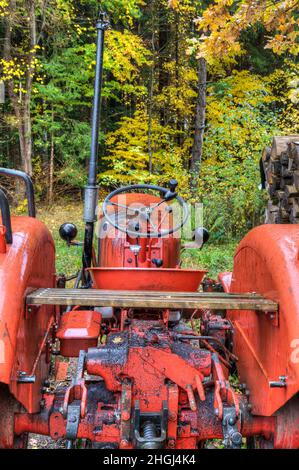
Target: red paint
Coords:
[[2, 239], [28, 264], [79, 329], [267, 262], [115, 248]]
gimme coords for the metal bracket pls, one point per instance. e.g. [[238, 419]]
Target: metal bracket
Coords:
[[126, 402], [273, 317], [232, 438], [24, 378], [281, 383], [73, 419], [74, 405], [223, 392], [31, 310], [159, 419]]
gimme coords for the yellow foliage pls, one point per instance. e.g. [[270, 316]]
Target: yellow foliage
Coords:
[[22, 207], [129, 153], [125, 53], [3, 7], [173, 3], [223, 21]]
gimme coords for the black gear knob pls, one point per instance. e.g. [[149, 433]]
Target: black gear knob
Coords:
[[201, 236], [171, 194], [173, 185], [68, 232]]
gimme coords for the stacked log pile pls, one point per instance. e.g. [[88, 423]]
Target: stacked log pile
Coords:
[[281, 167]]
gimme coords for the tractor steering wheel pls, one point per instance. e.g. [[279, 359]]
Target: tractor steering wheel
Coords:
[[146, 212]]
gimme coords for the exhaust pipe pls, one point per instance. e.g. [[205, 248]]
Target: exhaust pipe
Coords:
[[91, 189]]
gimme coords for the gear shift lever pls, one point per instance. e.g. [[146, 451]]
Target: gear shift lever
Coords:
[[171, 194]]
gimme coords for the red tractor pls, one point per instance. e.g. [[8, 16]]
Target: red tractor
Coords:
[[157, 345]]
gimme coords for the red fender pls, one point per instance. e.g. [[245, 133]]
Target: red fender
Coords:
[[29, 263], [267, 262]]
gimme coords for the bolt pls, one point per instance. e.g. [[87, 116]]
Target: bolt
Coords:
[[21, 373], [279, 384], [125, 415], [247, 392], [236, 438], [171, 443], [172, 416], [73, 419], [216, 412], [124, 443], [283, 378]]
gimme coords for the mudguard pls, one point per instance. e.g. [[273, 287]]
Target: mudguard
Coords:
[[29, 263], [267, 262]]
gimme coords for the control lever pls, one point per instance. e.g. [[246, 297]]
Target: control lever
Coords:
[[135, 249], [171, 194]]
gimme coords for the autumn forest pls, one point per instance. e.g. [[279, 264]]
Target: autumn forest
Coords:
[[192, 90]]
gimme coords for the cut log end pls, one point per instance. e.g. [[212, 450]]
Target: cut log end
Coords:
[[281, 166]]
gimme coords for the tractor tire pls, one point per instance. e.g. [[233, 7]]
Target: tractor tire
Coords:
[[8, 407], [279, 168]]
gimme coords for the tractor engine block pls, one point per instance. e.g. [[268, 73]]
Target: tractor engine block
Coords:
[[154, 377], [148, 386]]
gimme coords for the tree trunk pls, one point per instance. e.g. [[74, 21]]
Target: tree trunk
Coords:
[[151, 92], [199, 127], [163, 32], [51, 172], [21, 102], [150, 121], [25, 136]]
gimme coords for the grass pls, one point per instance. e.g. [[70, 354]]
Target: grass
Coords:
[[215, 258], [68, 258]]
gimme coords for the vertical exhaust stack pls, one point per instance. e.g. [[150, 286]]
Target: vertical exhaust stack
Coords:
[[91, 189]]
